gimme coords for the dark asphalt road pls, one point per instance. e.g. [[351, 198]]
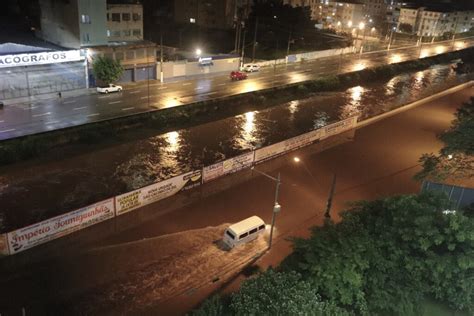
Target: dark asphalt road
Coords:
[[30, 118]]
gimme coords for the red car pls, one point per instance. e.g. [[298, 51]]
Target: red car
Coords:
[[237, 75]]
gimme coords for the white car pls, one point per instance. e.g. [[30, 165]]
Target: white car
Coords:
[[251, 68], [110, 88]]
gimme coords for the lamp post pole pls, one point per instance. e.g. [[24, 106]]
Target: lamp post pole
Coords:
[[276, 209], [276, 206]]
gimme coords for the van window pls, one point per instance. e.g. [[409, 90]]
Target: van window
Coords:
[[261, 227], [230, 234], [243, 235], [253, 231]]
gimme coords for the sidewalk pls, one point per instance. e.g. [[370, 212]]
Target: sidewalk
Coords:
[[50, 96]]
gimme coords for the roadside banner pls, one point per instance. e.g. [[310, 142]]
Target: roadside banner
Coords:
[[339, 127], [4, 245], [285, 146], [59, 226], [155, 192], [227, 166]]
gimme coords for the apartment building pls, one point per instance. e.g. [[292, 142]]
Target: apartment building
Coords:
[[73, 23], [124, 22], [436, 22], [218, 14]]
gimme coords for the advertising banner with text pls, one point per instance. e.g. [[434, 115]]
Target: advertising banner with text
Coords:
[[285, 146], [3, 245], [59, 226], [340, 126], [132, 200], [227, 166]]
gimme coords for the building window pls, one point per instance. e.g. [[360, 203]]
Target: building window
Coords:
[[136, 17], [85, 19], [137, 32], [125, 16], [116, 17], [126, 32], [108, 17], [108, 33], [192, 20]]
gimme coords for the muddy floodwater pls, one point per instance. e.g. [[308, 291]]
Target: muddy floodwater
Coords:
[[65, 179]]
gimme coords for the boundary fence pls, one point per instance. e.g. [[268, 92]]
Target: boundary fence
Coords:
[[36, 234]]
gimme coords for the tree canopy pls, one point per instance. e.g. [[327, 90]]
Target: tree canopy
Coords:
[[107, 70], [455, 159], [384, 258]]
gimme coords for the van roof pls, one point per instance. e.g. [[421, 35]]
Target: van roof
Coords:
[[247, 223]]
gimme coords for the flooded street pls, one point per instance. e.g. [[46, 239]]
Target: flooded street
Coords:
[[36, 190]]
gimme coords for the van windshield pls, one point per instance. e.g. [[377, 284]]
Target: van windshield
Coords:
[[230, 234]]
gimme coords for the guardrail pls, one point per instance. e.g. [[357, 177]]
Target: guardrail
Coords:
[[65, 224]]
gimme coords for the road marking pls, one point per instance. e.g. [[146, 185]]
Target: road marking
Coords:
[[161, 88], [52, 122], [81, 108], [115, 102], [68, 102], [2, 121], [7, 130], [208, 93], [132, 92], [221, 84], [145, 97], [42, 114], [186, 84], [128, 109], [30, 107], [199, 88], [95, 114]]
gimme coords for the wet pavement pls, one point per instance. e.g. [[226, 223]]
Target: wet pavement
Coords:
[[63, 181], [46, 115]]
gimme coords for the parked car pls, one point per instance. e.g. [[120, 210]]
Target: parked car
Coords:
[[110, 88], [238, 75], [251, 68]]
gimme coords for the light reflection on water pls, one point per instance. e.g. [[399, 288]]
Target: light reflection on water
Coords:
[[140, 162]]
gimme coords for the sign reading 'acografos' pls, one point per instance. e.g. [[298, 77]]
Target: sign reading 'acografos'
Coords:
[[40, 58]]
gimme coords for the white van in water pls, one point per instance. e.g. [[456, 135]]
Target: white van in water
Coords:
[[243, 231]]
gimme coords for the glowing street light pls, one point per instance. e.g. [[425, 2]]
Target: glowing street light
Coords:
[[361, 25], [198, 52], [349, 24]]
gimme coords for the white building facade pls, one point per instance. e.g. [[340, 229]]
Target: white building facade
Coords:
[[124, 22]]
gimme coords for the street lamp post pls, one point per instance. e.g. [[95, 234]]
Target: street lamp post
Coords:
[[276, 205]]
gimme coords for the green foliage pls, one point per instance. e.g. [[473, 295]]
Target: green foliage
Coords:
[[213, 306], [387, 255], [455, 159], [280, 293], [107, 70]]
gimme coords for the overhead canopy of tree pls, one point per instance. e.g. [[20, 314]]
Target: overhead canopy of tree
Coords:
[[107, 70], [279, 293], [455, 159], [386, 256]]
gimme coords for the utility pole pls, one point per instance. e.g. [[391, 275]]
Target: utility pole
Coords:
[[390, 39], [288, 47], [161, 54], [276, 209], [243, 48], [254, 39], [327, 214]]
